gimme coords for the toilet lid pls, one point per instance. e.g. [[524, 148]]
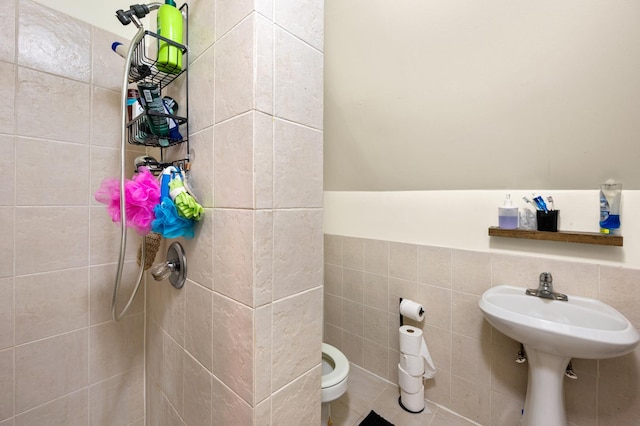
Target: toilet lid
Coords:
[[341, 369]]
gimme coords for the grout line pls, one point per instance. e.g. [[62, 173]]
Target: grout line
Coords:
[[306, 43], [88, 201], [15, 67]]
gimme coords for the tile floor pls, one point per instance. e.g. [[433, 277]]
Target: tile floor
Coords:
[[367, 392]]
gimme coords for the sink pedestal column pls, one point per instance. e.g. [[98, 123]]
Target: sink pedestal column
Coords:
[[544, 404]]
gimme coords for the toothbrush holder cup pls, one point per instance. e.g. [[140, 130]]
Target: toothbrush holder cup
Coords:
[[547, 221]]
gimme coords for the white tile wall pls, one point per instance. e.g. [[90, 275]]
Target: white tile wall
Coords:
[[304, 19], [298, 86], [7, 318], [209, 348], [297, 259], [233, 162], [107, 69], [233, 254], [50, 368], [6, 382], [234, 348], [295, 341], [72, 409], [7, 241], [234, 71], [52, 42], [106, 114], [264, 65], [7, 91], [251, 323], [62, 359], [35, 254], [201, 96], [201, 36], [66, 114], [198, 392], [297, 403], [199, 310], [117, 400], [229, 13], [50, 303], [297, 166], [68, 182], [8, 31]]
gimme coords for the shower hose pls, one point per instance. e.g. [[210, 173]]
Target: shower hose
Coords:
[[117, 316]]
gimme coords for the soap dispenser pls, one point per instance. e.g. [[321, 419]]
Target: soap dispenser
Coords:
[[508, 214]]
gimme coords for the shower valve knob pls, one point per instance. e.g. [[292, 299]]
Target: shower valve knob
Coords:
[[162, 271], [175, 268]]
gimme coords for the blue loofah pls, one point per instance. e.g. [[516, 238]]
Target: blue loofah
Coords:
[[168, 223]]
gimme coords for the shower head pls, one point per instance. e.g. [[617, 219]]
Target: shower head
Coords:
[[136, 11]]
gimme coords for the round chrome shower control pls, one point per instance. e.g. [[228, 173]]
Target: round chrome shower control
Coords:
[[175, 267]]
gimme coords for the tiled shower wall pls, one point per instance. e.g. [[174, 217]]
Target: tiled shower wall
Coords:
[[240, 344], [62, 360], [477, 376]]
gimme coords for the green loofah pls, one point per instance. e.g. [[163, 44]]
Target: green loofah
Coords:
[[186, 205]]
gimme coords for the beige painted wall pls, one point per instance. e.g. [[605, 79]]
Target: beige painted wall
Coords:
[[459, 219], [481, 95]]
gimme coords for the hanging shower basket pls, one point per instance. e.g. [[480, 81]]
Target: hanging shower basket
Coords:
[[145, 69]]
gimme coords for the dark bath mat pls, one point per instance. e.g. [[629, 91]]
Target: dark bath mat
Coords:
[[374, 419]]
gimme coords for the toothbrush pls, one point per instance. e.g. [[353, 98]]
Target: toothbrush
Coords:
[[540, 202], [550, 200], [537, 202]]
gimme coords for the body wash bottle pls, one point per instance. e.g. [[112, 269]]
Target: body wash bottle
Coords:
[[508, 215], [170, 27]]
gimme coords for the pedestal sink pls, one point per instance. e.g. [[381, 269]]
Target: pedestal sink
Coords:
[[552, 333]]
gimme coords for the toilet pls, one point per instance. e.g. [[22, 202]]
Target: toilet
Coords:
[[335, 372]]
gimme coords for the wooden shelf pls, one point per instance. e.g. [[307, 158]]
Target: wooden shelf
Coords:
[[562, 236]]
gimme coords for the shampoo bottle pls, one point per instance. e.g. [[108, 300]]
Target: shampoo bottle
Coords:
[[508, 215], [170, 27]]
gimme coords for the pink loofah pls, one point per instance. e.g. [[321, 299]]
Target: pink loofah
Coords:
[[142, 194]]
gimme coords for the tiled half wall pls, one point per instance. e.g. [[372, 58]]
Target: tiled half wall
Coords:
[[477, 376]]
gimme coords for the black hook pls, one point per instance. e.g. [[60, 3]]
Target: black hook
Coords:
[[123, 17]]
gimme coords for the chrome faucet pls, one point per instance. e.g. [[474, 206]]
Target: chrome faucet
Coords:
[[545, 289]]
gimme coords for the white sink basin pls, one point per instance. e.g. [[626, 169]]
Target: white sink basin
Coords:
[[579, 328], [553, 332]]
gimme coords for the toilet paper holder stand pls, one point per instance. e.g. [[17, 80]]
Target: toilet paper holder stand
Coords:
[[402, 317], [400, 397]]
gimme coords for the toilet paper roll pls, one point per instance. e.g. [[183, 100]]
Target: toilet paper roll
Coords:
[[409, 383], [412, 364], [410, 340], [412, 343], [411, 309], [413, 401], [429, 368]]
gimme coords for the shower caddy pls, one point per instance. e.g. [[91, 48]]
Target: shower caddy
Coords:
[[142, 60], [141, 67]]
